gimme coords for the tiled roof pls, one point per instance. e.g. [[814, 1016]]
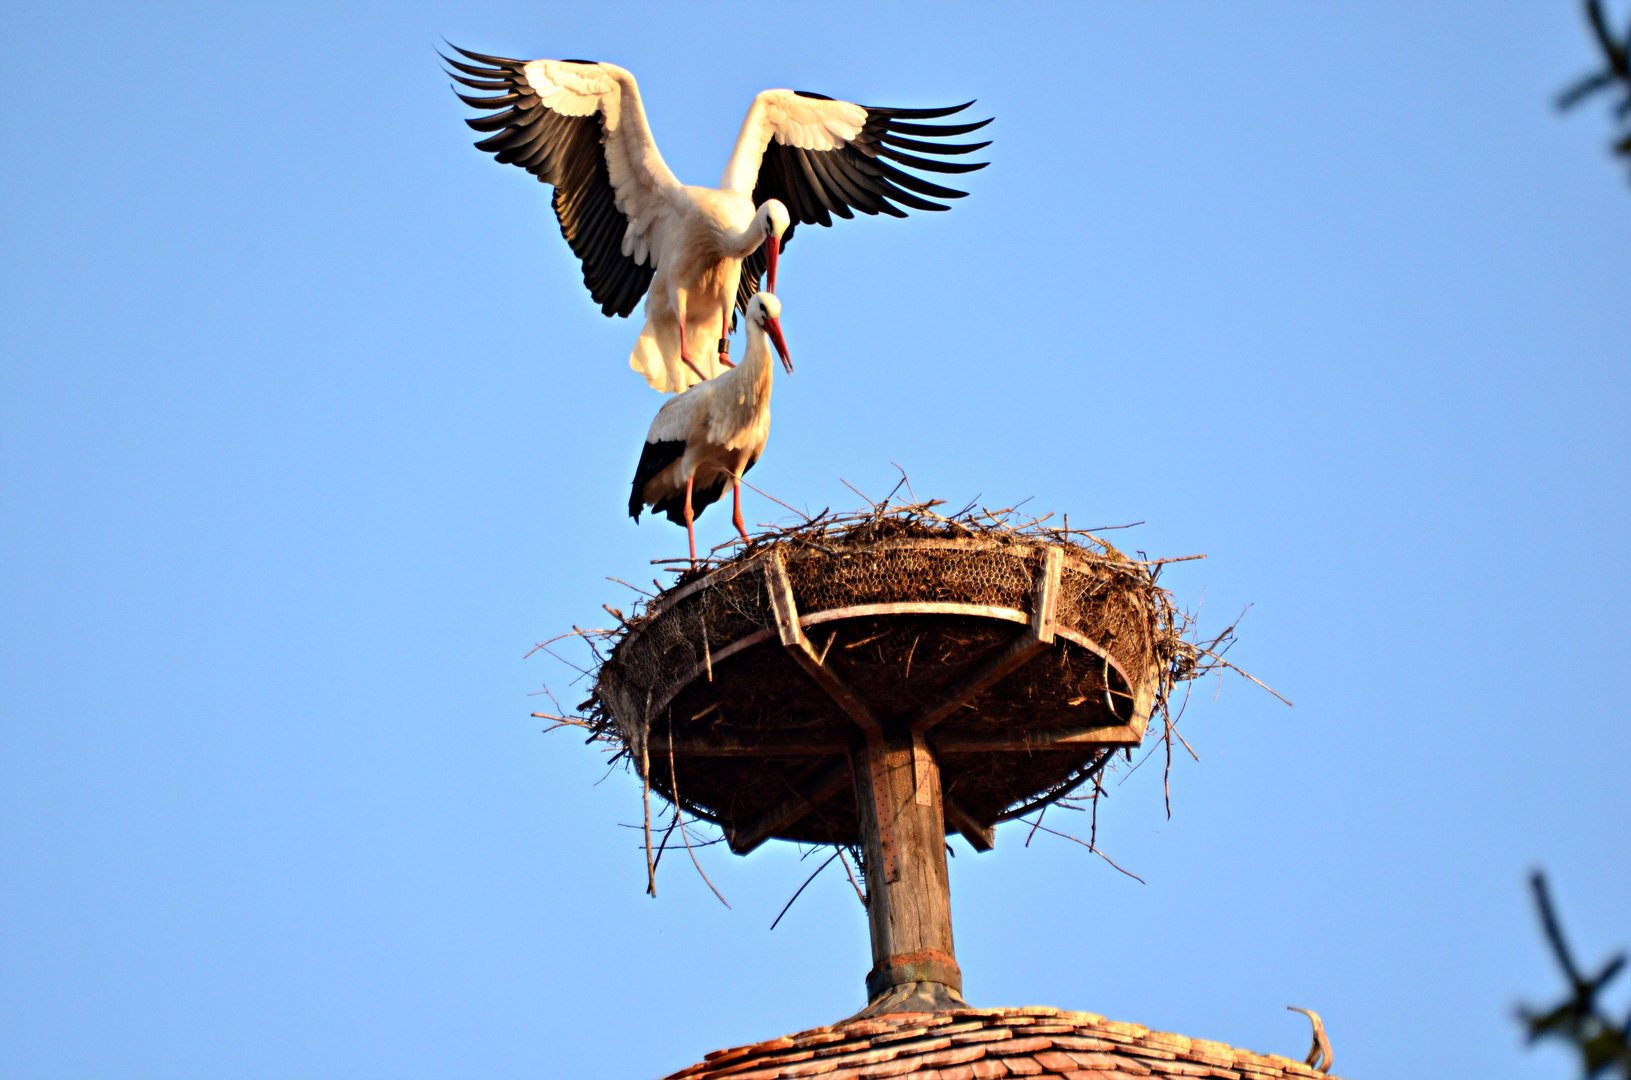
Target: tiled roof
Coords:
[[985, 1044]]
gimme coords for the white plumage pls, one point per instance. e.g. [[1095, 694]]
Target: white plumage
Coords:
[[799, 158], [712, 433]]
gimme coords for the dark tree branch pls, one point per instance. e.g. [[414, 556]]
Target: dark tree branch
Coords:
[[1616, 72], [1605, 1048]]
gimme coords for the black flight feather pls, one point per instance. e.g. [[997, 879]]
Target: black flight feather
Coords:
[[933, 147], [940, 131], [818, 185], [566, 152], [656, 457]]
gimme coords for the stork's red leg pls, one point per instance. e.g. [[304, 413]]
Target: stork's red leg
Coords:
[[736, 509], [690, 533], [685, 354], [685, 349]]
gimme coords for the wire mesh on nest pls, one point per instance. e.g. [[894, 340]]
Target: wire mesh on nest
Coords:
[[904, 606]]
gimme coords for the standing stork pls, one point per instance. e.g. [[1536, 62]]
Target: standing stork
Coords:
[[713, 432], [800, 158]]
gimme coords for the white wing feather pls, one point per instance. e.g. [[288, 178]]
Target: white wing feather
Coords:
[[645, 186], [808, 123], [681, 418]]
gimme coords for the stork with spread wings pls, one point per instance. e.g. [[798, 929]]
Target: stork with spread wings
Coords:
[[800, 159]]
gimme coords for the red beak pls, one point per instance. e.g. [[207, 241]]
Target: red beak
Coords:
[[773, 327], [772, 250]]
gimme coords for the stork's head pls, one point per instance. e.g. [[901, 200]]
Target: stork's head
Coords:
[[765, 312], [774, 220]]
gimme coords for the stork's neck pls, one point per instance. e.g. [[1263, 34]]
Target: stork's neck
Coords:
[[756, 370], [744, 243]]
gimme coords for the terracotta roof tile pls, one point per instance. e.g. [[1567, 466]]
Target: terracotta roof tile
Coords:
[[984, 1034], [870, 1056], [1022, 1044], [1080, 1042], [865, 1028], [1138, 1066], [1056, 1061], [922, 1044], [842, 1049], [991, 1044], [900, 1035], [778, 1057], [963, 1026], [957, 1055], [1091, 1060]]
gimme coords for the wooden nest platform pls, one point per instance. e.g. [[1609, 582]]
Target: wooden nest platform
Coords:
[[1016, 659]]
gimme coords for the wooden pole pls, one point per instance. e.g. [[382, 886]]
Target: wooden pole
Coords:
[[897, 790]]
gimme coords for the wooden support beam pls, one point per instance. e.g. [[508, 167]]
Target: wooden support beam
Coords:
[[798, 646], [792, 745], [980, 837], [1013, 656], [769, 744], [794, 641], [1037, 637], [1045, 594], [814, 791], [1023, 742]]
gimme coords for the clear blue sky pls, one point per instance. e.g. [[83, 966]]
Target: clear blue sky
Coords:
[[310, 431]]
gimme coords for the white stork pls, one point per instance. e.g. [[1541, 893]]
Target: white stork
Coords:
[[799, 159], [713, 432]]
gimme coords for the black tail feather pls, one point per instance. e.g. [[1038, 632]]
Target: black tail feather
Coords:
[[656, 457], [701, 499]]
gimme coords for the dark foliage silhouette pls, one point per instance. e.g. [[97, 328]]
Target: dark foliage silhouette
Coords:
[[1614, 76], [1580, 1020]]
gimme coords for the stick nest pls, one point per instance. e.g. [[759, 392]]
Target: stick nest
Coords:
[[656, 681]]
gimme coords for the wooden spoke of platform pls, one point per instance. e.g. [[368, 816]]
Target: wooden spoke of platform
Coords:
[[767, 744], [798, 646], [980, 836], [1000, 742], [814, 791], [1038, 635], [795, 642]]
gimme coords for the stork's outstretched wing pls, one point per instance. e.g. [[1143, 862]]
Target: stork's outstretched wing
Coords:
[[580, 126], [823, 158]]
